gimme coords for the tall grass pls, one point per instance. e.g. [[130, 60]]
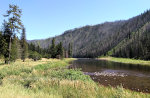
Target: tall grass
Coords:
[[52, 79]]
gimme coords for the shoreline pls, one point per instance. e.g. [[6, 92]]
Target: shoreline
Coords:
[[126, 61]]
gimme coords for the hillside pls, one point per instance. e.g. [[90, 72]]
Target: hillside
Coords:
[[93, 41], [137, 45]]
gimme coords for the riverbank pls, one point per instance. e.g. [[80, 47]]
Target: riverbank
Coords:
[[50, 78], [126, 60]]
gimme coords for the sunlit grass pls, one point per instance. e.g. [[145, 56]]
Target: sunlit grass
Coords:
[[126, 60]]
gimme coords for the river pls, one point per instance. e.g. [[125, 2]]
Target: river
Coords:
[[107, 73]]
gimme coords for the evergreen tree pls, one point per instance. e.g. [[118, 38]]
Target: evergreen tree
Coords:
[[48, 52], [60, 50], [70, 50], [14, 49], [18, 47], [24, 45], [3, 45], [14, 23], [6, 35], [53, 49], [31, 47]]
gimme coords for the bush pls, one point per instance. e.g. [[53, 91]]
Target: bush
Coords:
[[35, 56], [47, 56]]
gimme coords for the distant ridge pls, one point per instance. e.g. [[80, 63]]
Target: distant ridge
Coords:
[[96, 40]]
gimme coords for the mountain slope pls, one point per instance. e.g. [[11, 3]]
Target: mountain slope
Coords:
[[93, 41], [136, 46]]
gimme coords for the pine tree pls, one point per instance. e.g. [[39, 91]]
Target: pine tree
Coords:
[[14, 49], [3, 45], [14, 23], [60, 50], [53, 49], [70, 50], [6, 35], [24, 46], [18, 47]]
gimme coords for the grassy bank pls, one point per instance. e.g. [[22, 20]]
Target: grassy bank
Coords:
[[51, 79], [126, 60]]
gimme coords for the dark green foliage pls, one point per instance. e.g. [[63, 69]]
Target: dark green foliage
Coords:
[[34, 55], [32, 48], [14, 49], [24, 45], [70, 50], [53, 49], [3, 45], [138, 46], [59, 48], [6, 40]]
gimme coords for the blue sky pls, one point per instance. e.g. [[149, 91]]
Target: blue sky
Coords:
[[48, 18]]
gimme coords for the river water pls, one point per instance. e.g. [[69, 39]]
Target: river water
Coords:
[[107, 73]]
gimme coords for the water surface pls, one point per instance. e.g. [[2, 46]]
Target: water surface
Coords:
[[134, 77]]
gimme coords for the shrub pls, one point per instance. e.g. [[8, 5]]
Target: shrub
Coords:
[[35, 56]]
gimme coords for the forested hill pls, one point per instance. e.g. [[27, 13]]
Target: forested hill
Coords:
[[93, 41]]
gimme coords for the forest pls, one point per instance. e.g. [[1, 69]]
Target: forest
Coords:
[[119, 39]]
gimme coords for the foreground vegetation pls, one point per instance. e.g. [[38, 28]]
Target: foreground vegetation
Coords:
[[126, 60], [51, 78]]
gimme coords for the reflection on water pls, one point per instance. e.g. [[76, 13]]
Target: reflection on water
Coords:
[[134, 77]]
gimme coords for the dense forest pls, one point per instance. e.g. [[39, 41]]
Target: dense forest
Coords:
[[127, 38], [136, 45]]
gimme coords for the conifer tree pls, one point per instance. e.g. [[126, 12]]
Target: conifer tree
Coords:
[[60, 50], [24, 45], [3, 45], [6, 35], [14, 49], [53, 49], [19, 50], [14, 23], [70, 50]]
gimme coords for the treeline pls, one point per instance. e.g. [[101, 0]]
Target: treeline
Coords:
[[53, 51]]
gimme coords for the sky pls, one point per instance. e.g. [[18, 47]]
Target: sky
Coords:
[[48, 18]]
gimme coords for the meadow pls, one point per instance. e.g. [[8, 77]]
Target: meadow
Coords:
[[50, 78]]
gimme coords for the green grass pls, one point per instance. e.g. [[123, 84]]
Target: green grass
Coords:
[[127, 60], [51, 79]]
